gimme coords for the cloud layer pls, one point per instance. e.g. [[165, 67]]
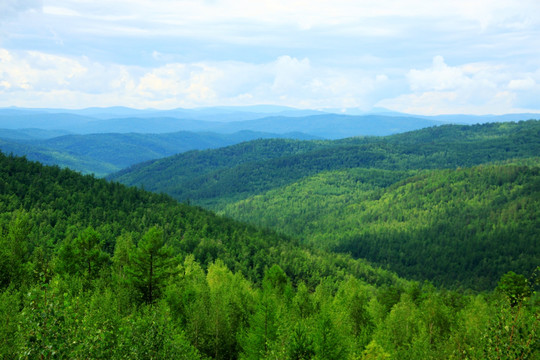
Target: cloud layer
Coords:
[[471, 56]]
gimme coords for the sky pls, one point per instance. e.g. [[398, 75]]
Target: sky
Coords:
[[416, 56]]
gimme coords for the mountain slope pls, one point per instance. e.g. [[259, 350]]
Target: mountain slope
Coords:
[[60, 203], [177, 172], [91, 269], [455, 227], [49, 156], [254, 168]]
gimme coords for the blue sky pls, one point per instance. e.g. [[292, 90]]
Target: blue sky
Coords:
[[416, 56]]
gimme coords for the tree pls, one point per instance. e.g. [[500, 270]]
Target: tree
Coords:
[[328, 342], [120, 260], [301, 344], [515, 287], [375, 351], [151, 265], [82, 255], [14, 249], [89, 253]]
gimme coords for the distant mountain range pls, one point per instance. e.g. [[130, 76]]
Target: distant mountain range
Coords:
[[218, 120], [227, 120], [105, 140]]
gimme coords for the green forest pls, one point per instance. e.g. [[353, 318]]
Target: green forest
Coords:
[[455, 205], [104, 153], [463, 227], [214, 178], [422, 245]]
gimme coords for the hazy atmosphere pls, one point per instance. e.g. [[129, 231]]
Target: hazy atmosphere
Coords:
[[422, 57]]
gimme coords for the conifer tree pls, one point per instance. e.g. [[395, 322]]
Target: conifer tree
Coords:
[[151, 265]]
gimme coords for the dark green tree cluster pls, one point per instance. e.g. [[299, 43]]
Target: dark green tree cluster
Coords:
[[464, 227]]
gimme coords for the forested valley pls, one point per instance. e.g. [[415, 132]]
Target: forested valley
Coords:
[[463, 227], [455, 205], [446, 217]]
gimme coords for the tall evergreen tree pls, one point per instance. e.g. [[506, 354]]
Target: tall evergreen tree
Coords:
[[151, 265]]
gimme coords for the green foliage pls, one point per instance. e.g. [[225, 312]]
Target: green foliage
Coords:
[[83, 255], [462, 227], [92, 269], [14, 247], [214, 178], [328, 342], [301, 345], [151, 265], [513, 333], [9, 318], [515, 287], [375, 352]]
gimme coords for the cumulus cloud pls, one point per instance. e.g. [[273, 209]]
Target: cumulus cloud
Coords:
[[324, 53], [475, 88], [26, 76], [37, 71], [439, 77]]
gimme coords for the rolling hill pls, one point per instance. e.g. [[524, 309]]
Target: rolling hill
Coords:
[[215, 177], [463, 227], [370, 196], [102, 154], [93, 269]]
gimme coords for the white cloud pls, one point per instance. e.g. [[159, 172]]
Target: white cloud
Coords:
[[291, 73], [32, 78], [37, 71], [522, 84], [439, 77], [475, 88], [318, 53], [28, 79]]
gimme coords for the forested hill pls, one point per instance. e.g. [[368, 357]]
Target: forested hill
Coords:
[[346, 195], [462, 227], [53, 206], [215, 177], [91, 269], [102, 154], [173, 174]]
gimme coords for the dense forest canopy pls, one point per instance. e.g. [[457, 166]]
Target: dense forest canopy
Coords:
[[463, 227], [58, 204], [215, 177], [95, 269], [419, 203]]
